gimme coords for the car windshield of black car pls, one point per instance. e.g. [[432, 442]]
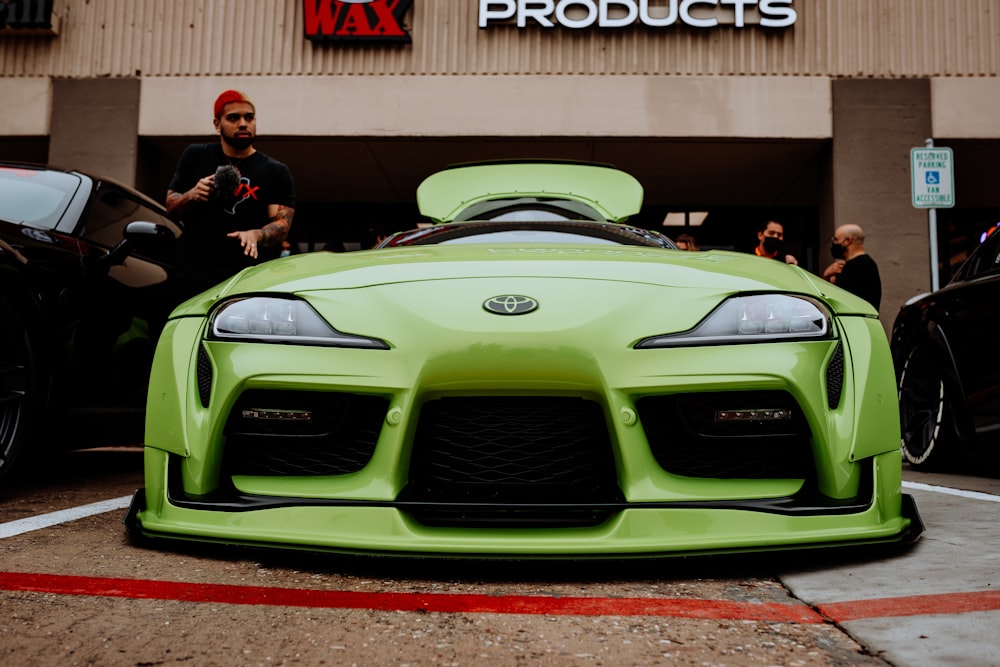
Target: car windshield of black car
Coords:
[[985, 260], [35, 197]]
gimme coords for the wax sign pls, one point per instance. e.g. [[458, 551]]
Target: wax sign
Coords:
[[356, 20]]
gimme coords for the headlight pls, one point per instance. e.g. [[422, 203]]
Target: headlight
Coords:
[[280, 320], [757, 318]]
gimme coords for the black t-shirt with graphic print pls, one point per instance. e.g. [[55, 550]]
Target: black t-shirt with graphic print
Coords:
[[208, 256]]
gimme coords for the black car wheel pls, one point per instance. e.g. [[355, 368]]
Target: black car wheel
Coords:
[[928, 431], [19, 389]]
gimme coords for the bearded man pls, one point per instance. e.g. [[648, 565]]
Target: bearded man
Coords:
[[236, 203]]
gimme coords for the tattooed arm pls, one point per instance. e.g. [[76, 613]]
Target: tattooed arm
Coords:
[[271, 234], [276, 231], [179, 202]]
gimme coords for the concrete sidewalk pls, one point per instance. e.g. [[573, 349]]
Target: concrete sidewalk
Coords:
[[956, 565]]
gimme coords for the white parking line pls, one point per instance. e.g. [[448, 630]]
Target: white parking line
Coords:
[[62, 516], [975, 495]]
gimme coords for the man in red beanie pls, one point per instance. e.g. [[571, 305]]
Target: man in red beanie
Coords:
[[235, 202]]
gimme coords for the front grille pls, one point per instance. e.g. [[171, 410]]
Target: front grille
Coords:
[[338, 439], [505, 453], [687, 437]]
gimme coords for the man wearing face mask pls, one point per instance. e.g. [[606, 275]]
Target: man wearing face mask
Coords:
[[853, 268], [771, 241]]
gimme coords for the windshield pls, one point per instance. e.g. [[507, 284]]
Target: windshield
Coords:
[[530, 208], [985, 260], [506, 231], [530, 236], [35, 197]]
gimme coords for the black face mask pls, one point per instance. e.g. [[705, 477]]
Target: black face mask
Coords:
[[838, 251], [772, 245]]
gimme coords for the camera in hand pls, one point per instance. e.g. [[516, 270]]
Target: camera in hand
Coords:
[[227, 181]]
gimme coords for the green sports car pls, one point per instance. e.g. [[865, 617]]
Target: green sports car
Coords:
[[527, 377]]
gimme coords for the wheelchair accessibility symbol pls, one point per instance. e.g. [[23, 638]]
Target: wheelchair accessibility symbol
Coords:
[[932, 178]]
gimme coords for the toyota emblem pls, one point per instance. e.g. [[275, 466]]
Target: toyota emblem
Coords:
[[510, 304]]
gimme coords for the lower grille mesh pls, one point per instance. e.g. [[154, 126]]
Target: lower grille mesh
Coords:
[[516, 450], [514, 460], [687, 438], [339, 438]]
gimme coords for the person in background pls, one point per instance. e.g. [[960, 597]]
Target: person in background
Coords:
[[235, 202], [686, 242], [853, 269], [770, 243]]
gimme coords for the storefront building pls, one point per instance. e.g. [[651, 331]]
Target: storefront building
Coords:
[[730, 112]]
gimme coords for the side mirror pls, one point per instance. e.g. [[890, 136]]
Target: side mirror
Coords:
[[138, 235], [143, 234]]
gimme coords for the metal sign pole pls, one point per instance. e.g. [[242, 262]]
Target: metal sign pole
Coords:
[[932, 232]]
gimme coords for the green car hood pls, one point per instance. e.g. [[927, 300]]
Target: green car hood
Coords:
[[614, 194], [709, 275]]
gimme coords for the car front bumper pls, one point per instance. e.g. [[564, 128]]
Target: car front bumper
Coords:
[[881, 516]]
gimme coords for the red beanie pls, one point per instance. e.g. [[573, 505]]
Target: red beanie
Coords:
[[228, 97]]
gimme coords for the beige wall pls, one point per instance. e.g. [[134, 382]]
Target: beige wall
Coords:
[[236, 38], [27, 105], [674, 81], [471, 106], [95, 124], [966, 108]]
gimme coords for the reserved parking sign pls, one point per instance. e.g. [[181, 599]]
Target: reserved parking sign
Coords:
[[932, 177]]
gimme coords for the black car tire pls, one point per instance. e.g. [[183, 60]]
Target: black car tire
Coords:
[[20, 387], [925, 411]]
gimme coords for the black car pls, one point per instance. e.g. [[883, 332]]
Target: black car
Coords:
[[87, 279], [944, 349]]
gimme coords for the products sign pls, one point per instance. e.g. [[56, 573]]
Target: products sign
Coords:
[[577, 14], [356, 20]]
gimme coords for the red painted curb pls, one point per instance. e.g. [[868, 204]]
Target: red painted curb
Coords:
[[838, 612], [437, 602], [913, 605]]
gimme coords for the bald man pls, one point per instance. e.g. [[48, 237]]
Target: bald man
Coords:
[[853, 269]]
